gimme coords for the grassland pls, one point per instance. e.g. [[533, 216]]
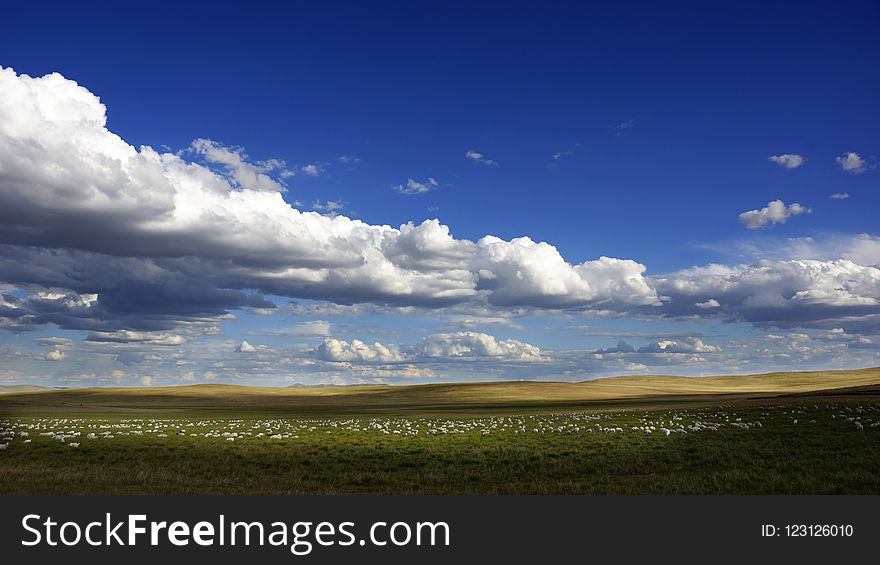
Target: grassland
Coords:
[[775, 433]]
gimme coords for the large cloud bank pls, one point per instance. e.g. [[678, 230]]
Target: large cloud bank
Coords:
[[109, 237], [82, 210], [782, 293]]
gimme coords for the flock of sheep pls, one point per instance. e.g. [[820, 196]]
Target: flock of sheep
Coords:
[[73, 432]]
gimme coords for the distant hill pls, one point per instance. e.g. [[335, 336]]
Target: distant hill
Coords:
[[324, 385], [446, 397], [22, 388]]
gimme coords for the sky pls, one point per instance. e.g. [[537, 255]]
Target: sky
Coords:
[[412, 192]]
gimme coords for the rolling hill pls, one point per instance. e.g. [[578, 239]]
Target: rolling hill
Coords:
[[448, 396], [22, 388]]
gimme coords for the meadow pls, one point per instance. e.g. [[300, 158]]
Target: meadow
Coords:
[[794, 433]]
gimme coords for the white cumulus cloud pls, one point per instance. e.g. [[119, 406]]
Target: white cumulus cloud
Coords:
[[776, 212], [55, 355], [788, 160], [312, 169], [684, 345], [356, 350], [851, 162], [476, 344], [442, 346], [782, 293], [413, 186]]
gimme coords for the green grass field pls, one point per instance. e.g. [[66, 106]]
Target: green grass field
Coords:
[[785, 433]]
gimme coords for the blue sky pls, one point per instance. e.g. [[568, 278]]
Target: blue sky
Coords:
[[635, 131]]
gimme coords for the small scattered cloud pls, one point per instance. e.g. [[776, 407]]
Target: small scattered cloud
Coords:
[[245, 347], [348, 159], [55, 355], [127, 336], [311, 328], [478, 157], [709, 304], [330, 206], [852, 163], [839, 196], [413, 186], [54, 341], [237, 167], [686, 345], [776, 212], [788, 160], [623, 126], [312, 169], [327, 309], [560, 154]]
